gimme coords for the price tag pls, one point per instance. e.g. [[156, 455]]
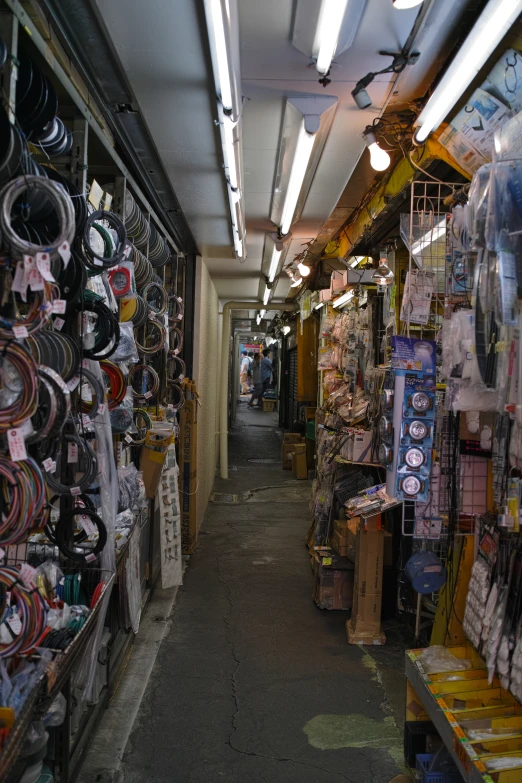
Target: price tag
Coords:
[[32, 274], [107, 201], [182, 377], [72, 452], [101, 408], [326, 561], [90, 558], [59, 306], [15, 624], [148, 395], [47, 464], [75, 491], [73, 383], [16, 443], [64, 251], [85, 364], [87, 524], [128, 438], [19, 283], [43, 262], [126, 252], [86, 420], [20, 332], [28, 575], [95, 194], [58, 324], [2, 553]]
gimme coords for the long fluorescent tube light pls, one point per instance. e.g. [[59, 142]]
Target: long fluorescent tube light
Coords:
[[266, 296], [258, 321], [229, 152], [318, 306], [356, 260], [303, 152], [219, 52], [343, 299], [491, 27], [274, 264], [429, 237], [262, 313], [329, 24]]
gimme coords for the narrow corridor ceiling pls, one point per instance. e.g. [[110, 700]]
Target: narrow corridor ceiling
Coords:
[[167, 64]]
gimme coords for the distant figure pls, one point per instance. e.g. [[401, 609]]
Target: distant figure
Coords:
[[243, 372], [266, 370], [251, 357], [257, 378]]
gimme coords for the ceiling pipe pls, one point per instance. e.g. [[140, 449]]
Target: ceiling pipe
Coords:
[[223, 397]]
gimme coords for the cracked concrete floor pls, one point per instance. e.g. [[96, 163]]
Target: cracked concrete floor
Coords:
[[249, 661]]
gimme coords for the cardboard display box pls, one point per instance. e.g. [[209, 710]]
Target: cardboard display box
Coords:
[[362, 446], [299, 466], [333, 583], [269, 405], [290, 440], [364, 627], [344, 540]]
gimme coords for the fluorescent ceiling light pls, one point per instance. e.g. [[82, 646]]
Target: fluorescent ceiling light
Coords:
[[343, 299], [319, 305], [258, 321], [262, 313], [356, 260], [429, 237], [229, 152], [329, 24], [489, 30], [221, 65], [402, 5], [266, 296], [303, 151], [274, 264]]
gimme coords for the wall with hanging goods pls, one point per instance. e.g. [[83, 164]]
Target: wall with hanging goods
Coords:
[[416, 497], [94, 346]]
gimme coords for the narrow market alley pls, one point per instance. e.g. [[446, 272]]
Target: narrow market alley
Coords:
[[254, 682]]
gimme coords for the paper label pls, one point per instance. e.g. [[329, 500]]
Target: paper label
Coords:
[[19, 283], [90, 558], [73, 383], [32, 274], [97, 262], [107, 201], [87, 524], [64, 251], [47, 464], [148, 395], [16, 442], [128, 438], [43, 262], [126, 252], [15, 623], [58, 324], [101, 408], [20, 332], [95, 194], [72, 452], [75, 491], [28, 575], [86, 420], [59, 306]]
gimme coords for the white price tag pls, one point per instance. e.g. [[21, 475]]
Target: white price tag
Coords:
[[15, 624], [126, 252], [181, 377], [75, 491], [43, 262], [148, 395], [64, 251], [101, 408], [72, 452], [58, 324], [86, 420], [59, 306], [47, 464], [19, 283], [32, 274], [179, 317], [90, 558], [87, 524], [16, 442], [20, 332], [28, 575], [128, 438], [2, 553], [73, 383], [85, 363]]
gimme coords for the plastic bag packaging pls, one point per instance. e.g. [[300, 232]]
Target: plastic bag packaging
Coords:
[[503, 762], [327, 323], [439, 659], [126, 350], [325, 359], [486, 734], [55, 715], [478, 206]]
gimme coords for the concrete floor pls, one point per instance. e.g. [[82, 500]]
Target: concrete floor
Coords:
[[252, 682]]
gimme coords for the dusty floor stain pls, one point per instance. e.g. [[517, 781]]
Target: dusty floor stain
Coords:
[[370, 664], [331, 732]]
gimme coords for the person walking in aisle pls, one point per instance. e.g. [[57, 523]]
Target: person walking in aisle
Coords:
[[243, 373], [257, 378], [266, 371]]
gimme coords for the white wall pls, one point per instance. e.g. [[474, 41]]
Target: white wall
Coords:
[[207, 361]]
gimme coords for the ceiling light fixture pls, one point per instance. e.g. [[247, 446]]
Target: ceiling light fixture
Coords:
[[262, 313], [344, 299], [331, 17], [403, 5], [226, 78], [303, 136], [383, 275], [429, 237], [379, 158], [399, 63], [274, 264], [258, 321], [304, 270], [356, 260], [297, 281], [487, 33], [319, 305], [287, 330], [266, 295]]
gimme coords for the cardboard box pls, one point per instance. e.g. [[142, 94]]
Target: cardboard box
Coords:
[[364, 627], [269, 405], [362, 446], [344, 540], [333, 583], [299, 466], [153, 455], [290, 441], [188, 476], [300, 448]]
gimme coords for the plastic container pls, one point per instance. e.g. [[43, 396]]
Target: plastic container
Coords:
[[425, 775], [426, 572]]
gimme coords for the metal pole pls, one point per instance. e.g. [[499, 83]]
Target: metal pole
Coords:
[[223, 390]]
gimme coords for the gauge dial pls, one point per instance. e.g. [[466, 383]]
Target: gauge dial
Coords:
[[414, 458], [418, 430], [420, 402], [411, 485]]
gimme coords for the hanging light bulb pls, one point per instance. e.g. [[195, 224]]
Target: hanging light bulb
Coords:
[[383, 275], [304, 270], [379, 158], [402, 5]]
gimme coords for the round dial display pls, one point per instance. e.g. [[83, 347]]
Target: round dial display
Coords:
[[418, 430], [411, 485], [386, 398], [385, 426], [385, 454], [414, 458], [420, 402]]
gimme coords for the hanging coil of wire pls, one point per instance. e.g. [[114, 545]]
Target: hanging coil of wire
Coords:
[[30, 608], [20, 378], [69, 544], [175, 340], [156, 298], [144, 381], [155, 338], [106, 329], [54, 406], [63, 207], [116, 383], [133, 308], [137, 225], [95, 390], [23, 499], [35, 313], [176, 395], [158, 252], [176, 368], [143, 271], [143, 424], [114, 251], [57, 351], [89, 466], [175, 309]]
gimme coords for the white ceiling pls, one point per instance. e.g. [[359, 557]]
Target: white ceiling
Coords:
[[165, 58]]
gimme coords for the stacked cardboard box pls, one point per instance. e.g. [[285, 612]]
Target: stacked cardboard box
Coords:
[[333, 581], [344, 540], [299, 465], [290, 440], [364, 627]]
